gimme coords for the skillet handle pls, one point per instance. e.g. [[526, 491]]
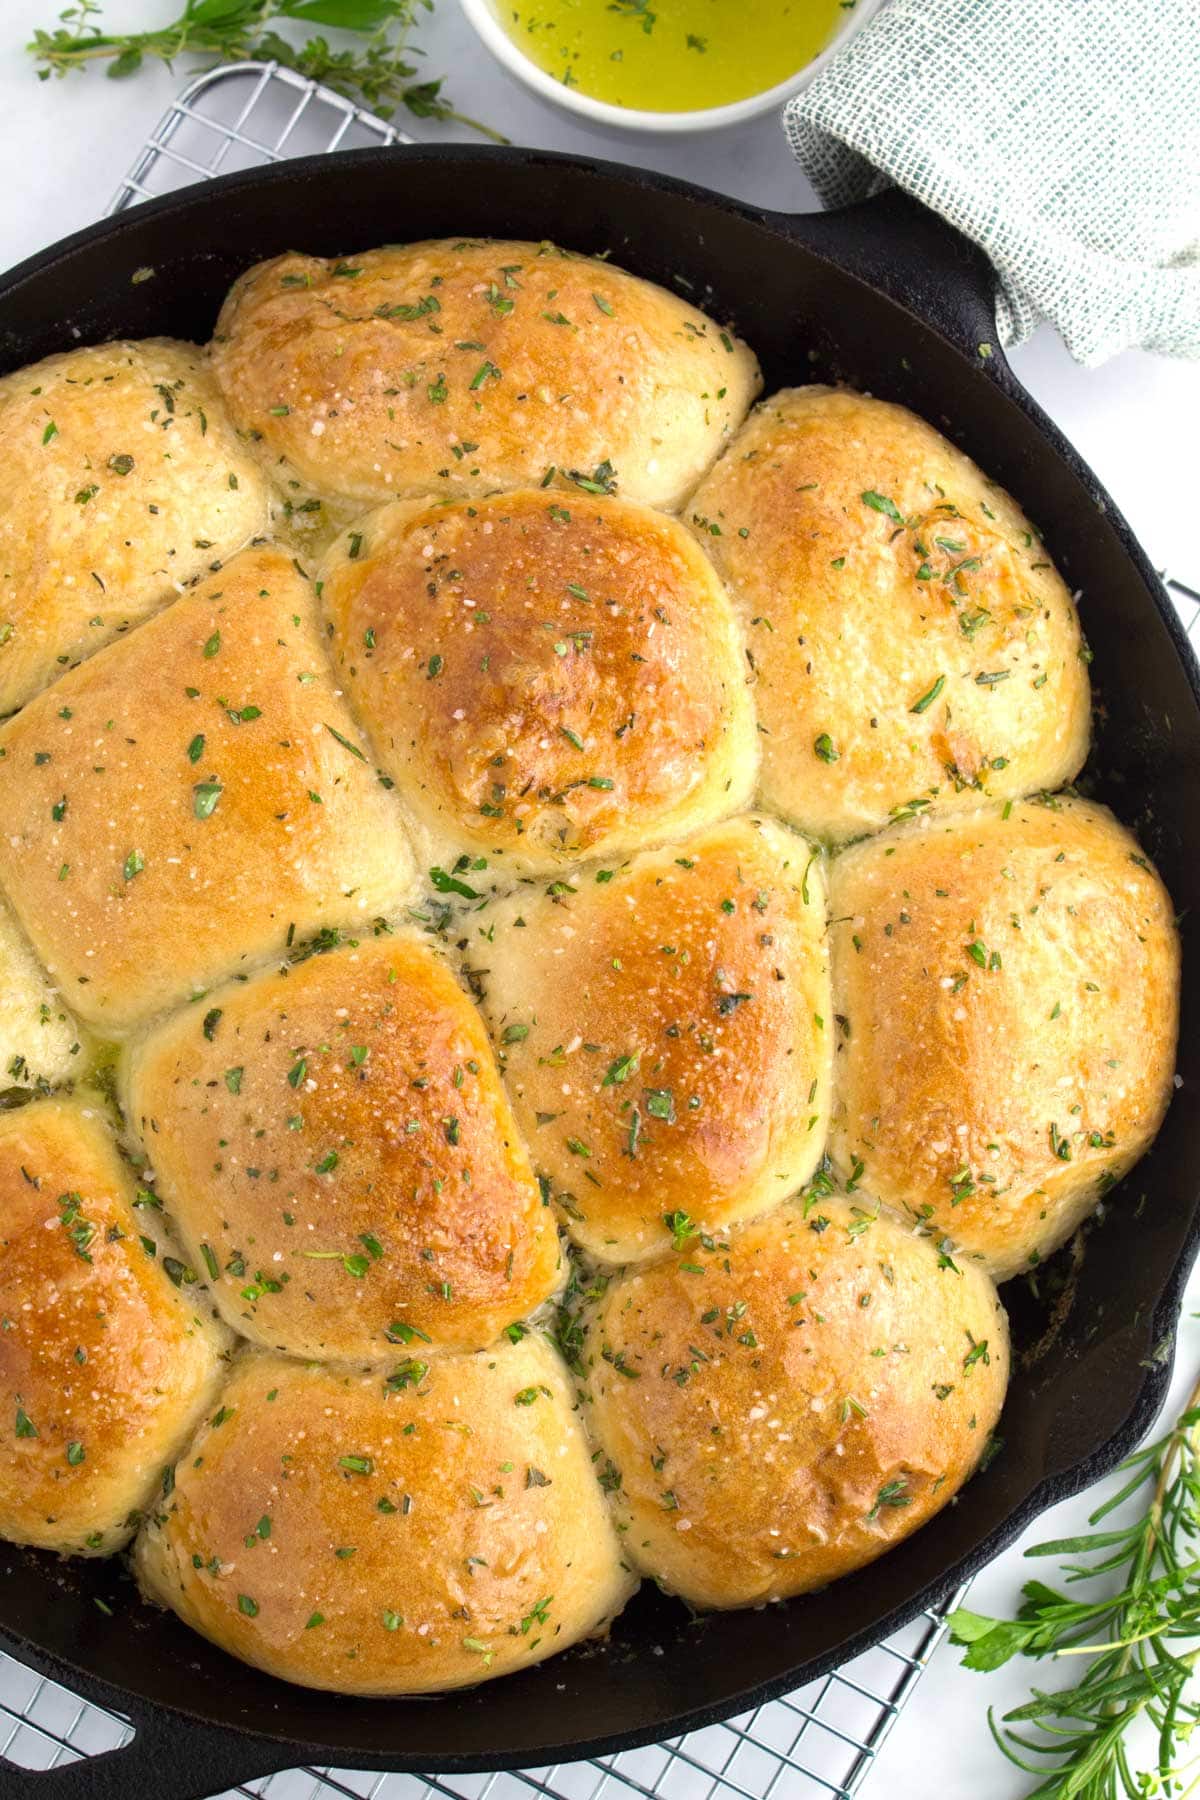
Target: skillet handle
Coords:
[[170, 1758], [893, 242]]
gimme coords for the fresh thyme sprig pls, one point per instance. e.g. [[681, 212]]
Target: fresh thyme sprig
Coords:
[[1141, 1640], [376, 72]]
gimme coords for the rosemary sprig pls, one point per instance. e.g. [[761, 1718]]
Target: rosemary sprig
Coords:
[[375, 72], [1141, 1639]]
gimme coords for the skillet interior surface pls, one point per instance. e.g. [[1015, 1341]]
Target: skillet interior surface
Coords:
[[811, 295]]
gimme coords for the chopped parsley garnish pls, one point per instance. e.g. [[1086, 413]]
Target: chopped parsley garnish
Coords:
[[892, 1493], [929, 696], [450, 884], [409, 1373], [880, 503], [681, 1226], [205, 795], [345, 743]]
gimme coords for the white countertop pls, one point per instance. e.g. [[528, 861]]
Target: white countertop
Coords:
[[68, 143]]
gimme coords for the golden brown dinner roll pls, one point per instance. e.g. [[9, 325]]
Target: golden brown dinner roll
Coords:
[[783, 1406], [40, 1043], [104, 1364], [461, 365], [544, 678], [193, 797], [337, 1151], [390, 1535], [911, 641], [123, 480], [666, 1033], [1009, 985]]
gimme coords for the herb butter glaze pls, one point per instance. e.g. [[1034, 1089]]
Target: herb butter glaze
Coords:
[[671, 55]]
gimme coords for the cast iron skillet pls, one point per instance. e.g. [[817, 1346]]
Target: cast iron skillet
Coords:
[[886, 297]]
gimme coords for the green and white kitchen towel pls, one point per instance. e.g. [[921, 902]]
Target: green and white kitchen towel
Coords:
[[1063, 136]]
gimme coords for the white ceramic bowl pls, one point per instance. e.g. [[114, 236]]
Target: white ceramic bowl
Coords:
[[481, 14]]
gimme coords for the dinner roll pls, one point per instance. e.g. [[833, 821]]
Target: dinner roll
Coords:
[[123, 480], [544, 679], [911, 641], [666, 1033], [1009, 985], [40, 1044], [104, 1364], [461, 365], [398, 1535], [193, 797], [337, 1150], [781, 1407]]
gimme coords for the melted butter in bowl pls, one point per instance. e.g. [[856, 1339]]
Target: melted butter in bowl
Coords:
[[671, 55], [666, 65]]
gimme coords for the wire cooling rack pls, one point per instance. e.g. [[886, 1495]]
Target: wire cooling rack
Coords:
[[241, 116], [815, 1745], [819, 1743]]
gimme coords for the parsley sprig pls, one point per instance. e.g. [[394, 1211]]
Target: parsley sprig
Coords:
[[1140, 1640], [376, 71]]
